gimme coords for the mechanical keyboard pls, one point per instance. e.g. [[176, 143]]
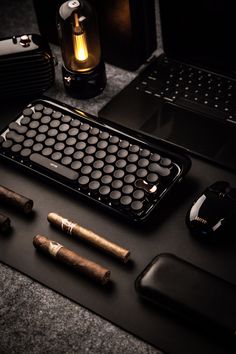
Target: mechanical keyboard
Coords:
[[86, 156]]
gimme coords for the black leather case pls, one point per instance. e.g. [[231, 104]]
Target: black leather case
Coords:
[[190, 292]]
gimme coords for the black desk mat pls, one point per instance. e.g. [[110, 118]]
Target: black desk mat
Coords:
[[118, 302]]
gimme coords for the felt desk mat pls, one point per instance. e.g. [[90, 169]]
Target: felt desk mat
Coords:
[[118, 302]]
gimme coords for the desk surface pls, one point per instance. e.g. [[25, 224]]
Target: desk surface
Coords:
[[35, 319]]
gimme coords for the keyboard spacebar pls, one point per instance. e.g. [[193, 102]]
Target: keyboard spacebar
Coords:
[[200, 108], [54, 167]]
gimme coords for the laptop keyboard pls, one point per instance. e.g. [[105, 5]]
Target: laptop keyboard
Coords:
[[192, 88]]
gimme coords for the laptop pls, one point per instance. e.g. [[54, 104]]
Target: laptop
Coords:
[[187, 95]]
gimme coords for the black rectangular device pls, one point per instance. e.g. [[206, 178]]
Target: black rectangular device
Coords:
[[187, 94], [89, 158], [191, 293]]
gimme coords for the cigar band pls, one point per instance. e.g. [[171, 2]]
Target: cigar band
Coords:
[[54, 247], [67, 226]]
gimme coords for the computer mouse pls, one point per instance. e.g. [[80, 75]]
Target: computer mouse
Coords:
[[213, 213]]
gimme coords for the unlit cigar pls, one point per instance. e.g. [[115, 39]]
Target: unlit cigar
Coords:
[[15, 199], [72, 228], [72, 259], [5, 223]]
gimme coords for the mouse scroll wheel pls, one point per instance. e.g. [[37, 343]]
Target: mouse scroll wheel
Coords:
[[232, 194], [220, 187]]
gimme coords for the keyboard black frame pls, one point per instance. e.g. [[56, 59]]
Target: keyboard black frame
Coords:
[[183, 161]]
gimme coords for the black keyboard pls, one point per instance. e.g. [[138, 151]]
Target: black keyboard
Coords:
[[71, 148], [200, 90]]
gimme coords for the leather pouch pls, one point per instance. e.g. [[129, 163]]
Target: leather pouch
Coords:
[[190, 292]]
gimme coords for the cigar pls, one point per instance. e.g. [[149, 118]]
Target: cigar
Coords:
[[17, 200], [5, 223], [74, 229], [72, 259]]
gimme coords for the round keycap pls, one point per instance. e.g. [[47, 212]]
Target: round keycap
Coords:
[[40, 138], [144, 153], [141, 172], [106, 179], [126, 200], [25, 152], [37, 147], [112, 149], [104, 191], [47, 111], [69, 151], [47, 152], [90, 150], [83, 181], [71, 141], [131, 168], [115, 196], [94, 131], [43, 128], [80, 145], [61, 137], [66, 160], [155, 157], [98, 164], [129, 179], [88, 160], [127, 189], [143, 163], [100, 154], [66, 119], [137, 206], [86, 170], [52, 132], [119, 174], [73, 132], [104, 135], [57, 115], [36, 115], [154, 167], [75, 123], [124, 144], [83, 136], [110, 159], [102, 144], [34, 124], [64, 127], [114, 139], [85, 127], [16, 148], [96, 174], [121, 163], [152, 178], [38, 107], [108, 169], [27, 112], [139, 194], [25, 121], [117, 184], [49, 142], [56, 156], [45, 119], [54, 123], [94, 186], [165, 162], [76, 165], [28, 143], [31, 133], [59, 146], [132, 158], [134, 148], [122, 153], [17, 128], [78, 155]]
